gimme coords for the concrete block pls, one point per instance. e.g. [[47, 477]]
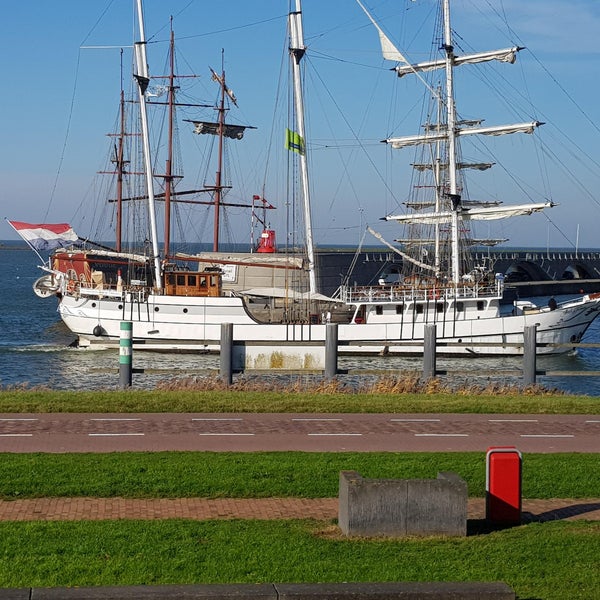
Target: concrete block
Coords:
[[402, 507], [437, 506]]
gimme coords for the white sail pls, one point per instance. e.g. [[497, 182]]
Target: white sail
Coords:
[[441, 135], [389, 51], [505, 55], [480, 166], [488, 213]]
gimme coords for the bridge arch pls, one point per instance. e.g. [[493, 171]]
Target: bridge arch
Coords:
[[524, 271], [576, 271]]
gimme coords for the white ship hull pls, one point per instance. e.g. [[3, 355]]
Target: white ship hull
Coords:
[[194, 324]]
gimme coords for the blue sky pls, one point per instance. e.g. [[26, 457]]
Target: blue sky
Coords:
[[61, 94]]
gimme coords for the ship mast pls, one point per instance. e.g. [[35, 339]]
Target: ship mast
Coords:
[[142, 77], [169, 160], [120, 169], [218, 177], [297, 50], [454, 194]]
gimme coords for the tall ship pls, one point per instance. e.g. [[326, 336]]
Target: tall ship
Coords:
[[179, 301]]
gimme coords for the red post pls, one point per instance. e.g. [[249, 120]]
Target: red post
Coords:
[[503, 481]]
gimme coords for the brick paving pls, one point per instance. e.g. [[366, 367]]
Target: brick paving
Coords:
[[95, 509]]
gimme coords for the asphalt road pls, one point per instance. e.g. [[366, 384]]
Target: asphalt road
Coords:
[[243, 432]]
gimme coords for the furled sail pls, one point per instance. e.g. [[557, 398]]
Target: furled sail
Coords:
[[508, 55], [431, 203], [235, 132], [410, 242], [481, 166], [489, 213], [441, 135]]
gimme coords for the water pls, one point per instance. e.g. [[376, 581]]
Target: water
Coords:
[[34, 347]]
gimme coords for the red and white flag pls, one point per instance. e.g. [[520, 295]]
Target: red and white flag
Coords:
[[45, 236]]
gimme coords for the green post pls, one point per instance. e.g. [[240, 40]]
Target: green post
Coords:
[[125, 354]]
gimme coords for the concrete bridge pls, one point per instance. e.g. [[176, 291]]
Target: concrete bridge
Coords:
[[527, 272]]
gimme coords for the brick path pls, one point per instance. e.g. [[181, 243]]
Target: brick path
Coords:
[[93, 509]]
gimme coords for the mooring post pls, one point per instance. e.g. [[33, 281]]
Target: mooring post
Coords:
[[125, 354], [331, 350], [429, 352], [226, 353], [529, 354]]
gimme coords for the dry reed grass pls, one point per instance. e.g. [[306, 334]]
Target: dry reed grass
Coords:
[[406, 383]]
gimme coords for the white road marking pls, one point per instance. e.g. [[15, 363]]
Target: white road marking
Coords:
[[334, 434], [415, 420], [226, 434], [216, 419], [546, 435], [115, 419], [441, 435], [315, 419], [112, 434], [16, 434], [512, 420], [19, 419]]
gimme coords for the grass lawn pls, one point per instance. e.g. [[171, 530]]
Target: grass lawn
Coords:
[[550, 561], [270, 474], [325, 399]]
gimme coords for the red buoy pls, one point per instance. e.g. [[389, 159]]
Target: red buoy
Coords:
[[267, 241]]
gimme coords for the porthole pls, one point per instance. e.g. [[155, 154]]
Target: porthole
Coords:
[[185, 310], [93, 305], [156, 309], [120, 307]]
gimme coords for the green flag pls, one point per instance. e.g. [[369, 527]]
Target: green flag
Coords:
[[294, 141]]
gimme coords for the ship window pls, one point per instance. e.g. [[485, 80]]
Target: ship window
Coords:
[[171, 279], [439, 307], [480, 304], [180, 279], [213, 280], [156, 309], [379, 309], [185, 310], [203, 281], [419, 309], [399, 309], [192, 280], [460, 307]]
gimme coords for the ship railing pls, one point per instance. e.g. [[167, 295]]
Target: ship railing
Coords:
[[381, 294], [131, 293]]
